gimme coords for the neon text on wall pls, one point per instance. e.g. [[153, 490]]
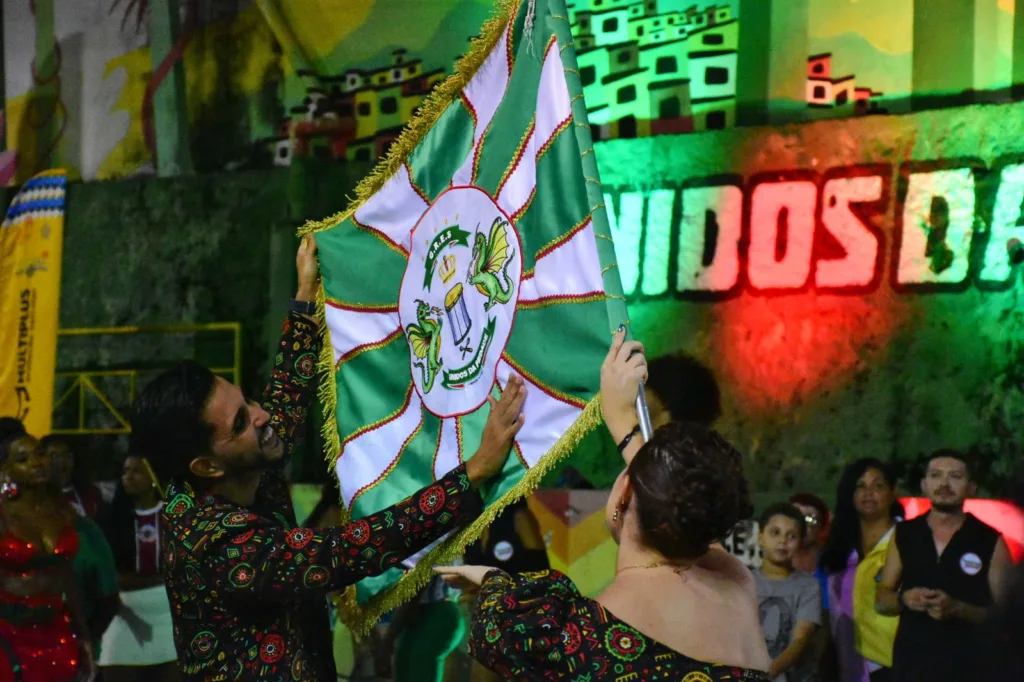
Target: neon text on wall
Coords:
[[949, 228]]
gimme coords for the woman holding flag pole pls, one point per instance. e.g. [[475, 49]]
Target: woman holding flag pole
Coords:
[[678, 600]]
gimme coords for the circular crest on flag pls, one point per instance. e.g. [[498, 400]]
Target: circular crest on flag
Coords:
[[458, 298]]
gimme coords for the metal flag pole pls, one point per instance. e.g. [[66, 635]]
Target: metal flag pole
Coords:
[[643, 416]]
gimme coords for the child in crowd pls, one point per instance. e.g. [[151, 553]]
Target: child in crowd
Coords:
[[789, 601]]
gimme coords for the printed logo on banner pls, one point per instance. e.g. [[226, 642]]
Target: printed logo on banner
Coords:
[[458, 297]]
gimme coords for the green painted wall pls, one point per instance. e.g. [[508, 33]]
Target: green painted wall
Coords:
[[213, 248]]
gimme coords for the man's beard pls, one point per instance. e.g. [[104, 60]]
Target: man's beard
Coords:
[[948, 507], [253, 462]]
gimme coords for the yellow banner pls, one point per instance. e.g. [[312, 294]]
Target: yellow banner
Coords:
[[31, 241]]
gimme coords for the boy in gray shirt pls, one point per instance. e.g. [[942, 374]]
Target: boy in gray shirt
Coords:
[[789, 602]]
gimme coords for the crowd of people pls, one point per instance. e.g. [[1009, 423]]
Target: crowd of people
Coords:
[[198, 570]]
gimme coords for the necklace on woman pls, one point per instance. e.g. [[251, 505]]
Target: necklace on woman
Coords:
[[676, 568]]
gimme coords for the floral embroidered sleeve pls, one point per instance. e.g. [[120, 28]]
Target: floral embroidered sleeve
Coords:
[[286, 398], [288, 394], [519, 621], [251, 557]]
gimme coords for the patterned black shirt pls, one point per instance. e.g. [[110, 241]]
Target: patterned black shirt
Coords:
[[247, 588]]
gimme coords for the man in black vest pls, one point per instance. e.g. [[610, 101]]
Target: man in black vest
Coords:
[[942, 573]]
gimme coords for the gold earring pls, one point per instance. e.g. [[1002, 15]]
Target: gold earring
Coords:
[[615, 515]]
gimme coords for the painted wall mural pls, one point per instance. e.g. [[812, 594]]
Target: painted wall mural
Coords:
[[115, 88], [850, 281]]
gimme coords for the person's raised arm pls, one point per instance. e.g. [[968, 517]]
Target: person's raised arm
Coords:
[[257, 559], [290, 388], [623, 373]]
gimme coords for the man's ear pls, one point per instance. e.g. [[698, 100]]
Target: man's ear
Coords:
[[206, 467]]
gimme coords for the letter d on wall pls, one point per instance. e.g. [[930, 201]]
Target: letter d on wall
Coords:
[[937, 223]]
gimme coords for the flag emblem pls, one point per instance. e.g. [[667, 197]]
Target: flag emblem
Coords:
[[457, 299]]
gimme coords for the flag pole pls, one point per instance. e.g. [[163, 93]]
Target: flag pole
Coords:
[[643, 415], [599, 219]]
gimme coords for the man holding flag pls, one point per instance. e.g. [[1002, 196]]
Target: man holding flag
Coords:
[[247, 588]]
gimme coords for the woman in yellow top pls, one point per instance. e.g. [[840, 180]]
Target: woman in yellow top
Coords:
[[866, 513]]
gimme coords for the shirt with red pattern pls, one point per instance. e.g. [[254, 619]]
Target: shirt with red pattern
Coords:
[[147, 540], [247, 588], [537, 626]]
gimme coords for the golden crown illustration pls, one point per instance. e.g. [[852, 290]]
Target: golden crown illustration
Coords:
[[447, 268]]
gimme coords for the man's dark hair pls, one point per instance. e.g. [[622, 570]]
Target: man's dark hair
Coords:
[[167, 419], [689, 488], [686, 387], [949, 453], [784, 509]]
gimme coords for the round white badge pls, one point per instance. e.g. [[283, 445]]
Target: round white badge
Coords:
[[503, 551], [971, 564], [458, 298]]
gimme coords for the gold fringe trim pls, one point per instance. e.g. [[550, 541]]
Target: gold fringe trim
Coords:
[[435, 104], [360, 621], [430, 111]]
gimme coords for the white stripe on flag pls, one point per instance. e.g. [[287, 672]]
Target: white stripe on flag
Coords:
[[370, 455], [447, 456], [353, 330], [554, 110], [573, 268], [553, 104], [518, 186], [547, 417], [394, 210], [483, 94]]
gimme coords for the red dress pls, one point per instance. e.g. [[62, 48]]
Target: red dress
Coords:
[[37, 643]]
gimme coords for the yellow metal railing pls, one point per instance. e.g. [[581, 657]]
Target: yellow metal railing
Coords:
[[84, 384]]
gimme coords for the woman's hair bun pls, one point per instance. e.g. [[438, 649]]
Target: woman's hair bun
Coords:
[[689, 488]]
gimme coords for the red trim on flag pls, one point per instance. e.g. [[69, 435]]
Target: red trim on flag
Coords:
[[458, 437], [470, 109], [519, 453], [437, 449], [361, 307], [390, 467], [363, 348], [525, 207], [380, 422], [559, 129], [561, 241], [546, 301], [523, 144], [508, 41], [380, 235], [415, 188], [547, 390]]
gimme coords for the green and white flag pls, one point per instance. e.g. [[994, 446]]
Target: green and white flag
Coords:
[[477, 249]]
